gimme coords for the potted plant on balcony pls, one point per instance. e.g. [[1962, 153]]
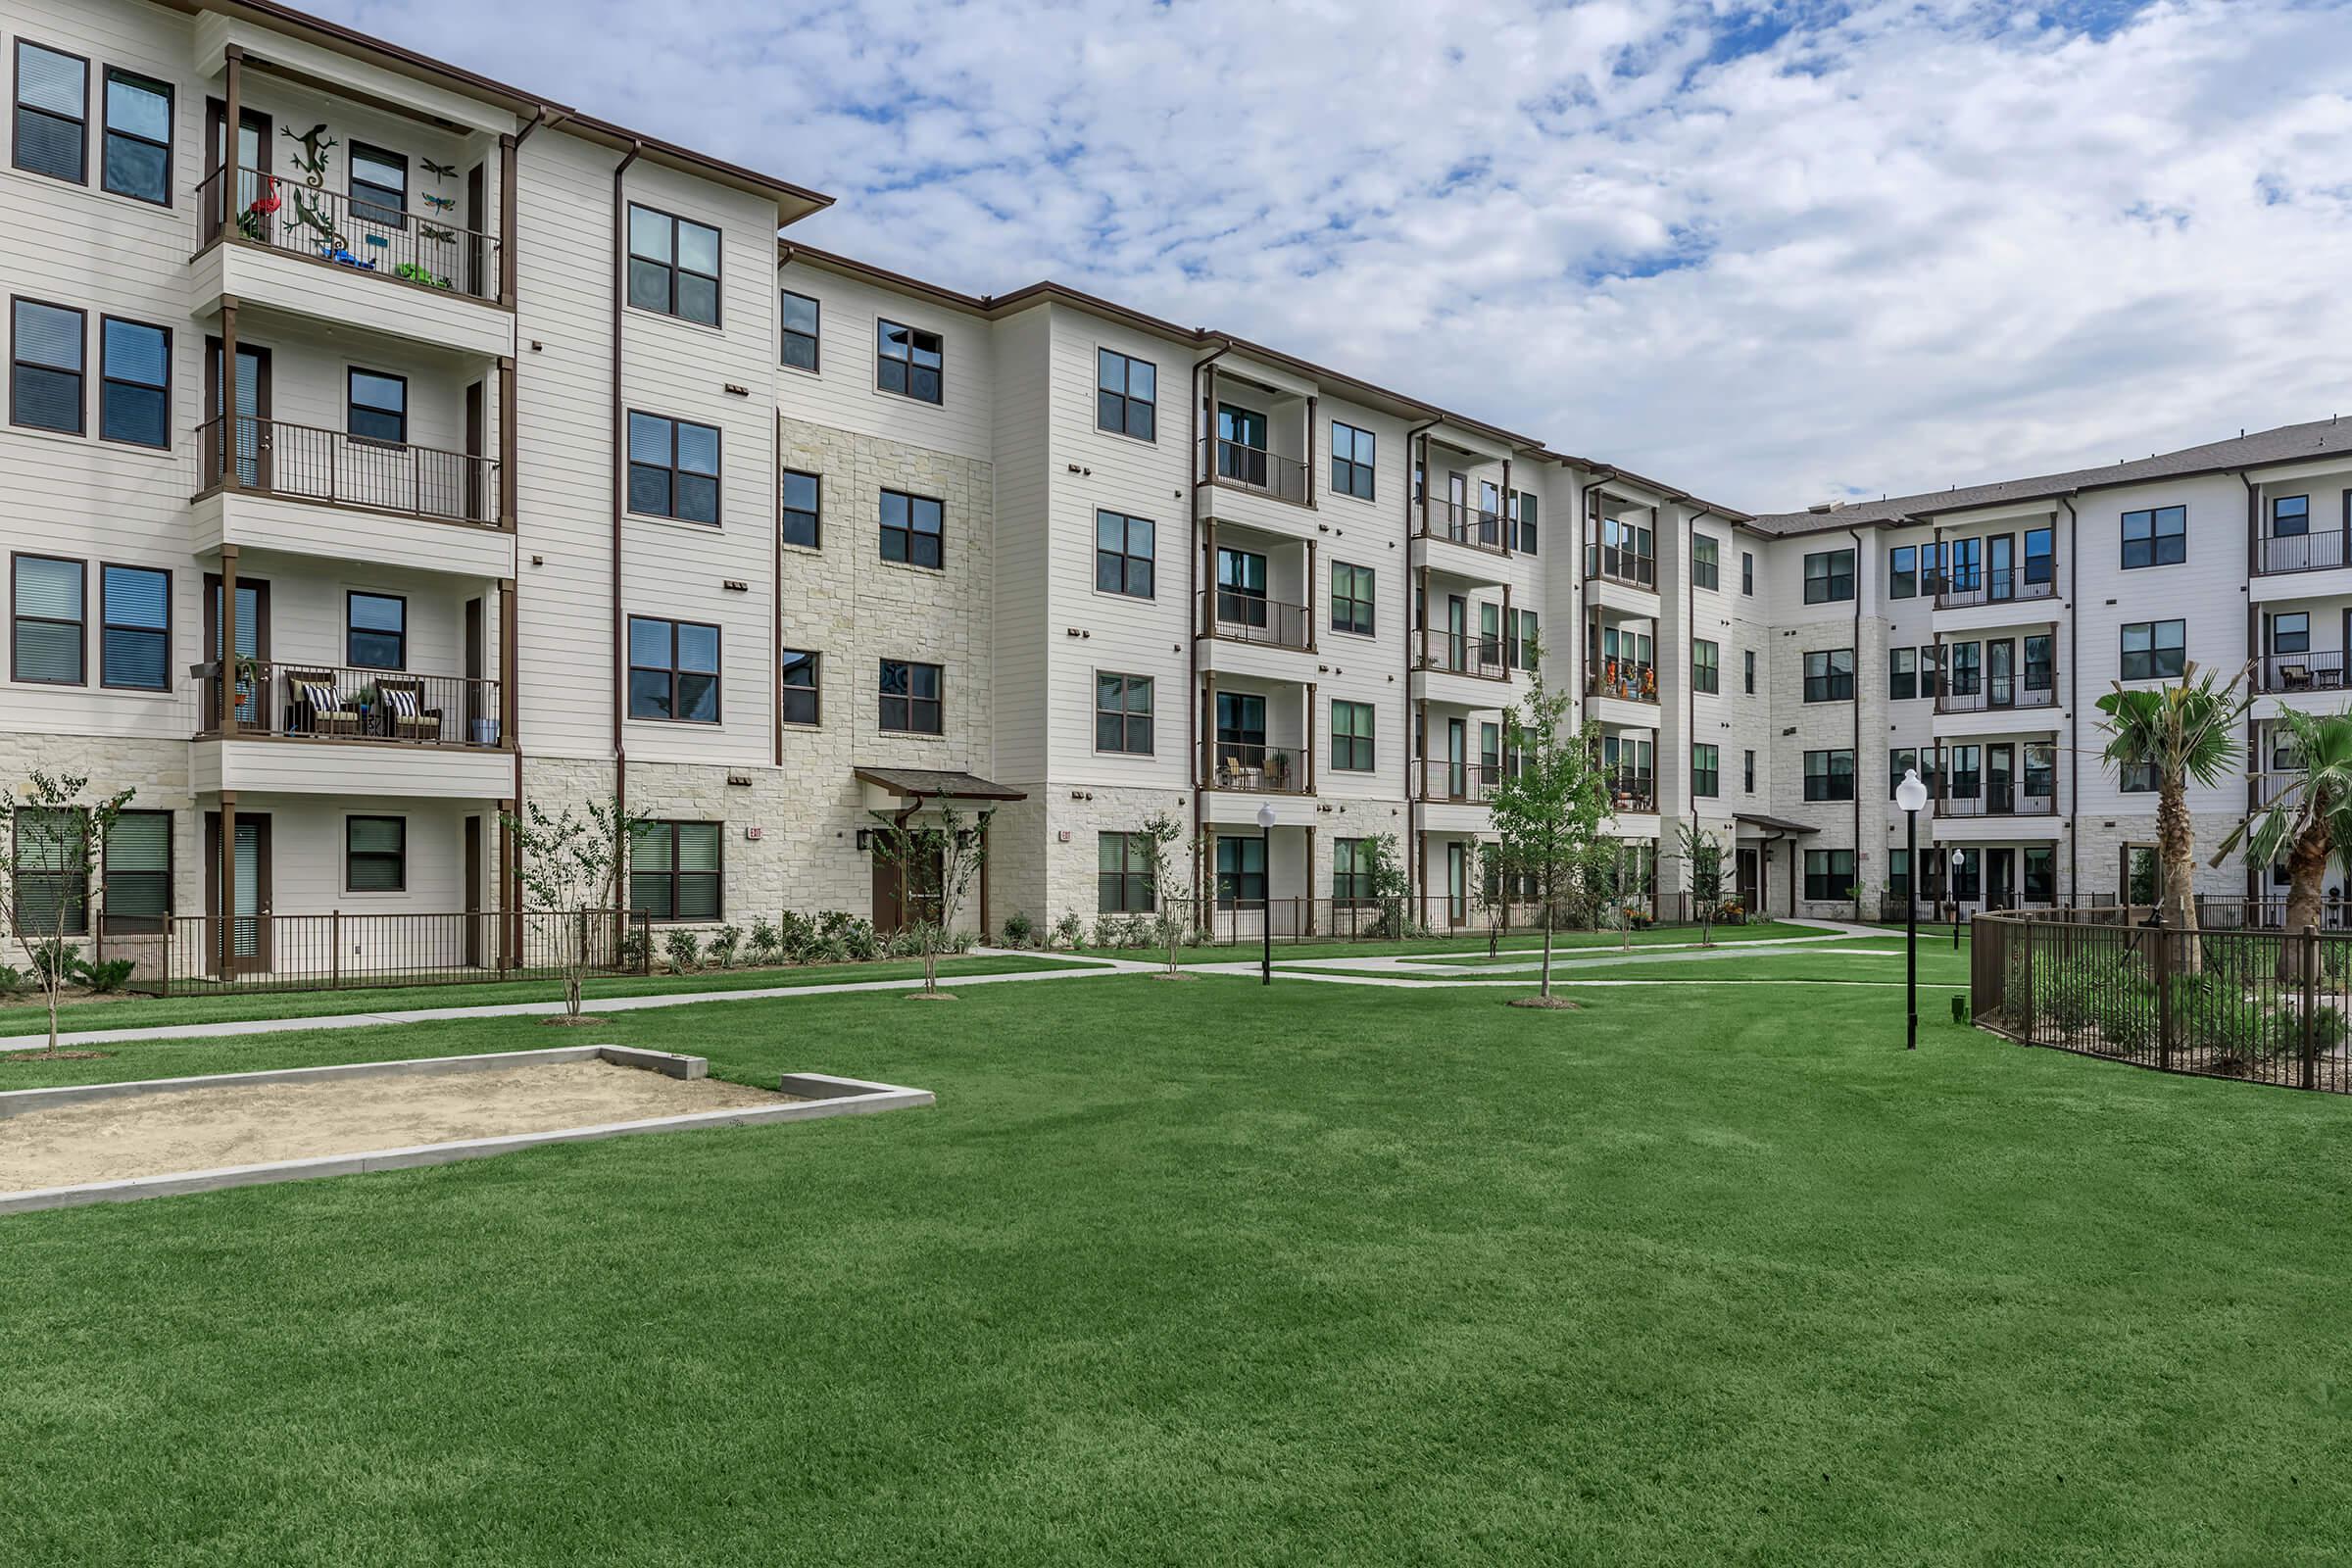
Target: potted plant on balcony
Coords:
[[1278, 771]]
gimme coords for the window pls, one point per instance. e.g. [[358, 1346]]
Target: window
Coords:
[[1241, 871], [136, 157], [1967, 776], [674, 468], [1123, 714], [2041, 874], [1126, 394], [1966, 661], [1830, 775], [1351, 737], [800, 700], [1900, 760], [376, 408], [1927, 672], [379, 187], [907, 361], [53, 111], [1705, 676], [49, 609], [913, 529], [673, 269], [139, 873], [910, 700], [2290, 633], [1829, 875], [1705, 568], [2158, 537], [2040, 664], [1530, 640], [1902, 573], [377, 631], [375, 854], [1126, 549], [1747, 671], [2137, 778], [1902, 674], [1524, 513], [1898, 873], [2041, 770], [45, 383], [1352, 861], [1351, 461], [134, 382], [1352, 598], [2040, 561], [134, 628], [1830, 675], [674, 870], [1828, 576], [1123, 873], [1706, 762], [1748, 772], [1747, 573], [2155, 650], [2290, 516], [802, 518], [800, 315], [674, 670], [51, 875]]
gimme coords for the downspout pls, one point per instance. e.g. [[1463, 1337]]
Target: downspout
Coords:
[[1412, 796], [2073, 704], [621, 495], [1584, 524], [1689, 682], [1860, 577], [510, 636], [1196, 471], [2253, 651]]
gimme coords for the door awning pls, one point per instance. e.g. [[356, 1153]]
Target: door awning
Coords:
[[1772, 824], [933, 784]]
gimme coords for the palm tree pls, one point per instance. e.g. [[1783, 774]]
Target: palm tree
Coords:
[[2309, 822], [2180, 733]]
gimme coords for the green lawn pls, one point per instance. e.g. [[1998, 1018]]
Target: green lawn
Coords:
[[1209, 1273], [1515, 942], [29, 1018]]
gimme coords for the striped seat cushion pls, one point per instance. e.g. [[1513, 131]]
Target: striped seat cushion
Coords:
[[401, 700]]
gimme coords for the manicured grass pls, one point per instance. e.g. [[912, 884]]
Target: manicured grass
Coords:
[[139, 1012], [1205, 1272], [1515, 942]]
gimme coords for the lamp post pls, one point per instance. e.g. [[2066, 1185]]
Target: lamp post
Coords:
[[1911, 795], [1959, 858], [1265, 919]]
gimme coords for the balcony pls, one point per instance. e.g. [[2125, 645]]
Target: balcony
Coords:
[[1253, 767], [1458, 522], [279, 213], [1965, 589], [1460, 783], [1461, 654], [2278, 555], [2288, 674], [1997, 799], [303, 463], [283, 700], [1621, 679], [1244, 617], [1997, 694], [1232, 465], [1616, 563], [1633, 792]]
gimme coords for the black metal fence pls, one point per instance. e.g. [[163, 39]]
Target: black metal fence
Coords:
[[1221, 922], [285, 211], [192, 955], [2263, 1006]]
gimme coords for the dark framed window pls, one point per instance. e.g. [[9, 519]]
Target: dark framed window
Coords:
[[2291, 632], [1707, 767], [1706, 674], [800, 316], [799, 699], [134, 384], [1828, 576], [910, 363], [801, 515], [50, 873], [1829, 875], [1747, 573], [379, 187], [375, 633], [1126, 394], [1927, 670], [50, 605], [1748, 772], [2290, 516], [2040, 874], [1830, 775], [673, 265], [2157, 536], [53, 113], [2137, 778], [1528, 643], [1351, 599], [674, 670], [1706, 571], [1902, 573], [2041, 555], [1351, 733], [1901, 758], [2155, 650], [376, 407], [375, 854], [1966, 661], [674, 870], [1524, 514], [1830, 675], [137, 873], [1126, 554], [1241, 871], [135, 157], [134, 628], [912, 703], [913, 529], [1352, 863], [1902, 674], [1123, 873], [2042, 665], [1352, 461], [674, 468], [1123, 714], [1747, 671], [46, 361]]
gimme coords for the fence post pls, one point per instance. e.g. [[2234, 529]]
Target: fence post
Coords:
[[2024, 1007], [2310, 957], [2164, 990], [645, 944], [335, 940]]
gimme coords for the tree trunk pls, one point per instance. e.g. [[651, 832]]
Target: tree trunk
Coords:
[[2306, 870], [2177, 847], [930, 965], [572, 994], [1547, 948]]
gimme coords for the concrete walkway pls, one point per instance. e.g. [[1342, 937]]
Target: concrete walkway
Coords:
[[1434, 967]]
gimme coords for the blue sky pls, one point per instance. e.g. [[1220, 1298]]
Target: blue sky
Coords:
[[1773, 252]]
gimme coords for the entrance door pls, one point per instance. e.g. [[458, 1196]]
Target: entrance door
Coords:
[[2000, 878], [1457, 632], [253, 164], [2001, 779], [1242, 445], [2000, 672], [1457, 506], [1457, 882], [1457, 759], [248, 916], [474, 892], [2000, 552], [1750, 877], [476, 504], [894, 909], [253, 415], [477, 248], [253, 642], [477, 696]]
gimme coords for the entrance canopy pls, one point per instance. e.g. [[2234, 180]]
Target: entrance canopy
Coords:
[[897, 788], [1772, 824]]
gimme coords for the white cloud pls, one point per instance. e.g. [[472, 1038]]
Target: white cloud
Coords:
[[1906, 244]]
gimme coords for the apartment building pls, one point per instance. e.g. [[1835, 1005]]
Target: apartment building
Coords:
[[439, 450]]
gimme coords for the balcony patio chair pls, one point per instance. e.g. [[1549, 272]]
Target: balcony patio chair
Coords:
[[404, 709], [2294, 677], [314, 707]]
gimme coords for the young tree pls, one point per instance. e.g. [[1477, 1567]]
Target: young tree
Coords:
[[1550, 811], [57, 845], [2181, 733], [1383, 869], [2309, 822], [574, 869], [1702, 853], [939, 865], [1490, 889], [1171, 915]]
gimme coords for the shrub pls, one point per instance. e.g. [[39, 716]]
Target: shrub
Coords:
[[50, 960], [796, 937], [684, 950], [630, 952], [767, 944], [108, 976], [723, 946], [1066, 930], [14, 982], [1019, 931], [959, 942]]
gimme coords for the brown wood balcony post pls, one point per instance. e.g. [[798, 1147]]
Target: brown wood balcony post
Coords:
[[226, 877], [1311, 452], [228, 391], [227, 723], [233, 110], [1307, 737], [1208, 728], [506, 204], [1503, 522], [507, 442], [1311, 627]]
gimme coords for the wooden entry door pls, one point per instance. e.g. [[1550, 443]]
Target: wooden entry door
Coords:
[[253, 642], [247, 942], [894, 911], [252, 423], [1750, 879], [474, 892]]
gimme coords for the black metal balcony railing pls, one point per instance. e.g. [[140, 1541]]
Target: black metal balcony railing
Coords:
[[336, 703], [1461, 782], [309, 464], [1616, 563], [1254, 469], [1461, 653], [1479, 527], [2303, 551], [1633, 789], [282, 212], [1996, 693], [2286, 673], [1623, 679], [1253, 767], [1996, 799], [1967, 586], [1245, 618]]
